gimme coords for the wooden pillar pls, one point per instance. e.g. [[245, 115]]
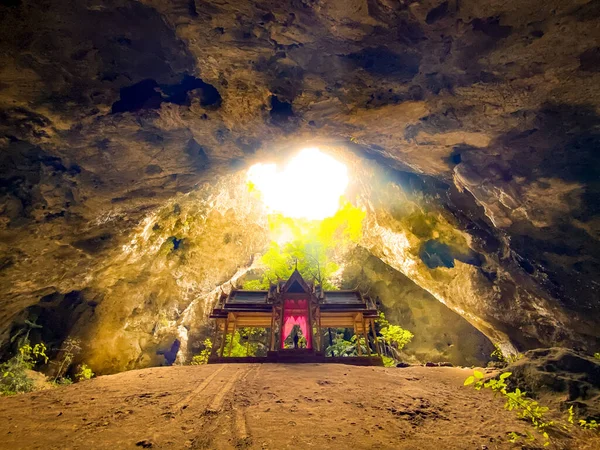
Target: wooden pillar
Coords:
[[272, 329], [357, 336], [232, 336], [213, 350], [364, 325], [319, 330], [222, 350], [282, 312]]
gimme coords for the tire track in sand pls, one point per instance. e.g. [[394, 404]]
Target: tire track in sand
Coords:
[[212, 417], [217, 403], [182, 404], [242, 436]]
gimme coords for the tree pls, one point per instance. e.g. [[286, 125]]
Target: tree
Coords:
[[311, 246], [393, 337]]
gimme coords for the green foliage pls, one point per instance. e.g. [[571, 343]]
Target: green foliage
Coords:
[[343, 347], [526, 408], [509, 359], [311, 245], [202, 357], [589, 425], [388, 362], [585, 424], [246, 342], [340, 346], [571, 415], [392, 335], [64, 381], [516, 400], [14, 376], [69, 349], [84, 373], [396, 335]]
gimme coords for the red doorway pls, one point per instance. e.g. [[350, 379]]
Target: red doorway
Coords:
[[295, 312]]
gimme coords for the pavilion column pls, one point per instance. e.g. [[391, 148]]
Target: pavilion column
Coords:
[[320, 349], [364, 325], [272, 346], [213, 350], [357, 336], [224, 336], [232, 336]]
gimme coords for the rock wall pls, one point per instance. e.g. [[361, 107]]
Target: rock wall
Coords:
[[440, 334]]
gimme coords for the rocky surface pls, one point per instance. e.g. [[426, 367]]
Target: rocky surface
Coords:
[[561, 377], [473, 127], [440, 334]]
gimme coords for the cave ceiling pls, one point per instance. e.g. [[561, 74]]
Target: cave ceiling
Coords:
[[114, 114]]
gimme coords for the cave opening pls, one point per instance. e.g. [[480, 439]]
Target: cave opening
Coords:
[[308, 187]]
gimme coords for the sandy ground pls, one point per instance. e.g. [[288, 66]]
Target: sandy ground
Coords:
[[265, 406]]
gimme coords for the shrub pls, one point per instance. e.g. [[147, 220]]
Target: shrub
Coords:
[[589, 425], [14, 376], [202, 358], [69, 349], [84, 373], [517, 401], [388, 362], [392, 337], [340, 346], [63, 381], [526, 408], [508, 359]]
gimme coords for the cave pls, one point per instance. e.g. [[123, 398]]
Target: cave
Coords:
[[441, 157]]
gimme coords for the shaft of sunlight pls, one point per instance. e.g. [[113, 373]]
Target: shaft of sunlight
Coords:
[[308, 187]]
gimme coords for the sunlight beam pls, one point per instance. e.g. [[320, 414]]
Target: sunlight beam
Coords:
[[308, 187]]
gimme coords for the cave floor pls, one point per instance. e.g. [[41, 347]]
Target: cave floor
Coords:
[[265, 406]]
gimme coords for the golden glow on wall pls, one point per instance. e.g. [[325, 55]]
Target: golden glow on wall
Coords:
[[308, 187]]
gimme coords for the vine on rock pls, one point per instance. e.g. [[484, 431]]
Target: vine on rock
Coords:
[[526, 408]]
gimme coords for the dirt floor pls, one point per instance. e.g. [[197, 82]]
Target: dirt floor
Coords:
[[267, 406]]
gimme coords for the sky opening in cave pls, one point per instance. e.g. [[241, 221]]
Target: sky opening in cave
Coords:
[[309, 186]]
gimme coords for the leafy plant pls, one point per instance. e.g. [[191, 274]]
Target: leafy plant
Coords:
[[571, 415], [69, 349], [340, 346], [64, 381], [246, 342], [585, 424], [516, 400], [202, 357], [388, 362], [506, 359], [84, 373], [14, 376], [392, 337], [589, 425]]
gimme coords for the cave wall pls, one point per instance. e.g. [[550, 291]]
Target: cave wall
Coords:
[[470, 267], [440, 334]]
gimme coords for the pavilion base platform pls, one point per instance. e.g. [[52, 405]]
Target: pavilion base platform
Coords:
[[277, 357]]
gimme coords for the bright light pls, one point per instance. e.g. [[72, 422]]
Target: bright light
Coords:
[[309, 187]]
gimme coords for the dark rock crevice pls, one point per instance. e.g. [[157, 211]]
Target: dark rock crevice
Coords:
[[148, 94]]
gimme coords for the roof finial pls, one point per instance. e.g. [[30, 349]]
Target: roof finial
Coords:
[[296, 263]]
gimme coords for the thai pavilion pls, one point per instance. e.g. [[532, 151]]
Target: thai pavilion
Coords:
[[296, 305]]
